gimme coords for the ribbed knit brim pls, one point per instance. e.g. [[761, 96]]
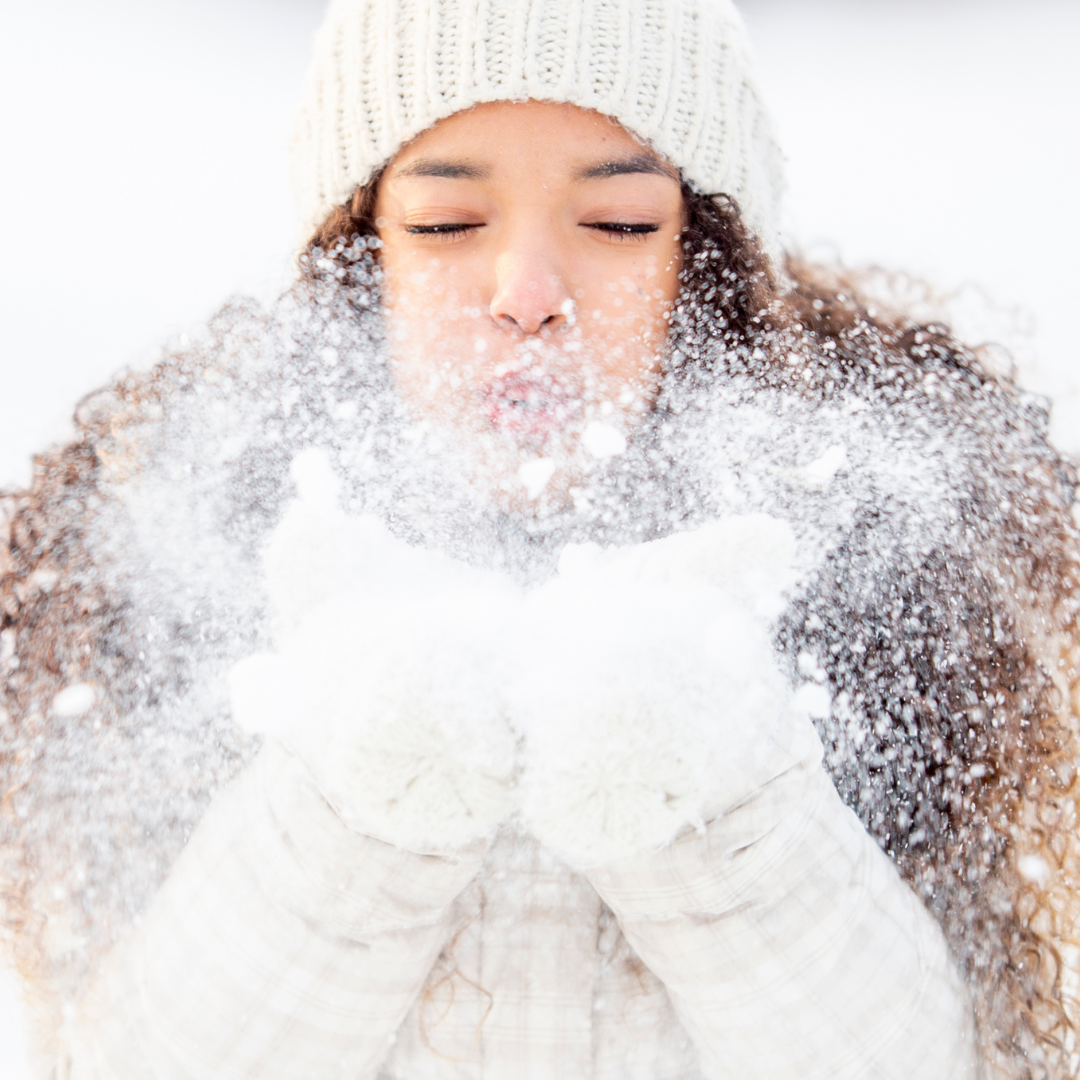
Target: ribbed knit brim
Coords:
[[675, 73]]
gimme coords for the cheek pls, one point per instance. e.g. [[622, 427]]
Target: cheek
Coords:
[[423, 294], [429, 291], [439, 342], [627, 318], [430, 355]]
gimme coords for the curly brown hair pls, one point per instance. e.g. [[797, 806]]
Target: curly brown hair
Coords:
[[977, 763]]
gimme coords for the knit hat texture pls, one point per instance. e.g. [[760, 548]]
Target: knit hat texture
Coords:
[[675, 73]]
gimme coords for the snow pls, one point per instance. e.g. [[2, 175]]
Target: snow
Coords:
[[819, 472], [1035, 868], [602, 440], [935, 137], [74, 700], [535, 475]]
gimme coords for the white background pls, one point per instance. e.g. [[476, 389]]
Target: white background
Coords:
[[144, 179]]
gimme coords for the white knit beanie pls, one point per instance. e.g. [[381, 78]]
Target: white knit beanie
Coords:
[[675, 73]]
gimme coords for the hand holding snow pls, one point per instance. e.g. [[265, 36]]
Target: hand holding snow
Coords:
[[632, 695], [649, 695], [385, 676]]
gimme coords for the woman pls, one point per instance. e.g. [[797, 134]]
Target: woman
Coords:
[[564, 637]]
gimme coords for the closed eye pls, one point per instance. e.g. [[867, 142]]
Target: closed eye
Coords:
[[624, 230], [448, 229]]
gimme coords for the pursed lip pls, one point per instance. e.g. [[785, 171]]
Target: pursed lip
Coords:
[[527, 406]]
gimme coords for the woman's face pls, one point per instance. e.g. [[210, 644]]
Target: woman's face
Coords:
[[532, 255]]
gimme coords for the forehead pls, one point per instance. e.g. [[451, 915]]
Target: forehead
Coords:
[[507, 137]]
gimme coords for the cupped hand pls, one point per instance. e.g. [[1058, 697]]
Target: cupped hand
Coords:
[[633, 695], [650, 696], [386, 675]]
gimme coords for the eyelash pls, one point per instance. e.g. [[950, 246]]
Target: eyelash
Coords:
[[624, 230], [448, 230]]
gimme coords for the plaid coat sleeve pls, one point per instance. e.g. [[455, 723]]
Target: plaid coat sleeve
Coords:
[[791, 947], [283, 945]]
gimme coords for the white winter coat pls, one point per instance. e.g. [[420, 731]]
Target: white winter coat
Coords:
[[779, 942]]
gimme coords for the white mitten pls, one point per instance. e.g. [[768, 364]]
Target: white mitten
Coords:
[[385, 678], [650, 696]]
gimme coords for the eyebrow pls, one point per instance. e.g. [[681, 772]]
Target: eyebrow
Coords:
[[450, 170], [468, 170], [639, 163]]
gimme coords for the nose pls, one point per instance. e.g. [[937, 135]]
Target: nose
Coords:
[[530, 291]]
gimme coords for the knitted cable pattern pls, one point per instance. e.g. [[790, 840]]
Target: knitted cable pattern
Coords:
[[676, 73]]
